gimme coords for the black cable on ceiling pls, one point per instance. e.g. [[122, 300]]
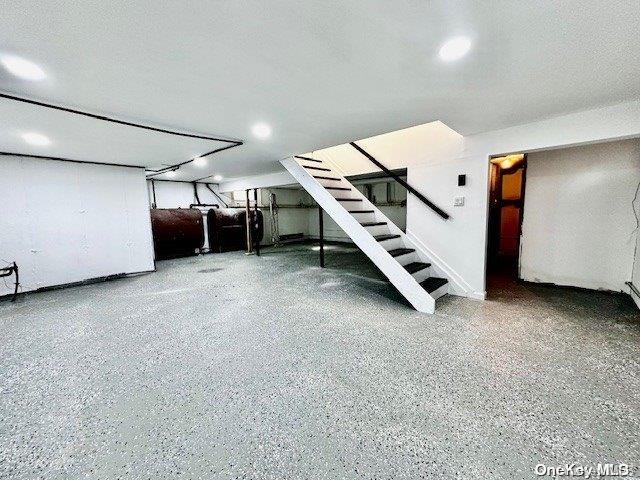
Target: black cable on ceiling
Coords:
[[104, 118], [113, 120], [62, 159], [172, 168]]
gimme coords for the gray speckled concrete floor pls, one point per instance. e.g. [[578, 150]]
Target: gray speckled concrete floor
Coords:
[[271, 368]]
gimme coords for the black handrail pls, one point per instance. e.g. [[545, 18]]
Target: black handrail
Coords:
[[398, 179]]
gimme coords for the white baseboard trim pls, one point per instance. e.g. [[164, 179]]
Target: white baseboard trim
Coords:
[[458, 285]]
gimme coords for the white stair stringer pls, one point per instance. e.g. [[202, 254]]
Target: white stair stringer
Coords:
[[335, 203]]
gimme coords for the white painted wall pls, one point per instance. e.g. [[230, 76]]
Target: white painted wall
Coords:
[[332, 231], [171, 194], [179, 194], [305, 220], [579, 226], [434, 155], [396, 213], [466, 250], [293, 214], [277, 179], [67, 222], [290, 220], [430, 153], [635, 278], [460, 242], [428, 143]]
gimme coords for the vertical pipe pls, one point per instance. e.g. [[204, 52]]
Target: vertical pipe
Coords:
[[273, 210], [195, 193], [320, 216], [15, 292], [255, 220], [153, 189], [248, 222]]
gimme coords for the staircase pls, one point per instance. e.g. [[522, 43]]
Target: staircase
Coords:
[[381, 240]]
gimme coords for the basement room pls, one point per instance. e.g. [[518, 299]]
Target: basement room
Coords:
[[300, 240]]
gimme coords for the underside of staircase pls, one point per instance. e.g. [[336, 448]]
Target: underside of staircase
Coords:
[[408, 269]]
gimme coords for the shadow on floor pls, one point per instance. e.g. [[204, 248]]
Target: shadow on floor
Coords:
[[503, 286], [343, 260]]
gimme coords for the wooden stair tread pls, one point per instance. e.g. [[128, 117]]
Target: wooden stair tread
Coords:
[[309, 159], [326, 178], [431, 284], [360, 211], [389, 236], [396, 252], [373, 224], [337, 188], [317, 168], [414, 267], [349, 199]]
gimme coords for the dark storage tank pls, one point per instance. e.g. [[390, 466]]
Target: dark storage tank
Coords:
[[227, 229], [177, 232]]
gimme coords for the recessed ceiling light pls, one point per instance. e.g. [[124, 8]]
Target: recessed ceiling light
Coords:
[[455, 49], [36, 139], [171, 174], [22, 68], [200, 162], [261, 130], [217, 178]]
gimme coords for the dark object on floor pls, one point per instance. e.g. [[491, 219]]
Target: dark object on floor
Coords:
[[177, 232], [228, 231], [8, 271], [209, 270], [291, 237]]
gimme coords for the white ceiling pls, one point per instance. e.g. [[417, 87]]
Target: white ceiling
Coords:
[[321, 73]]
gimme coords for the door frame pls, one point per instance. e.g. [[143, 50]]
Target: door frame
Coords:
[[493, 230]]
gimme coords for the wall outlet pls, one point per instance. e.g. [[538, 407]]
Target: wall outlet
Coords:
[[458, 201]]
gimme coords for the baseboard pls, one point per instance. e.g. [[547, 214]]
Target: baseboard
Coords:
[[568, 286], [459, 286], [88, 281]]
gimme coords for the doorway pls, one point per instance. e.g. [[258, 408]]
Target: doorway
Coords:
[[506, 204]]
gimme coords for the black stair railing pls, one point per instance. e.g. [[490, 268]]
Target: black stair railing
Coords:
[[402, 182]]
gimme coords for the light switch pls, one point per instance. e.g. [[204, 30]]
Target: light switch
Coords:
[[458, 201]]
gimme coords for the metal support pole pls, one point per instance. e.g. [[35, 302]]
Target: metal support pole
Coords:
[[255, 220], [321, 219], [153, 189], [248, 222]]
